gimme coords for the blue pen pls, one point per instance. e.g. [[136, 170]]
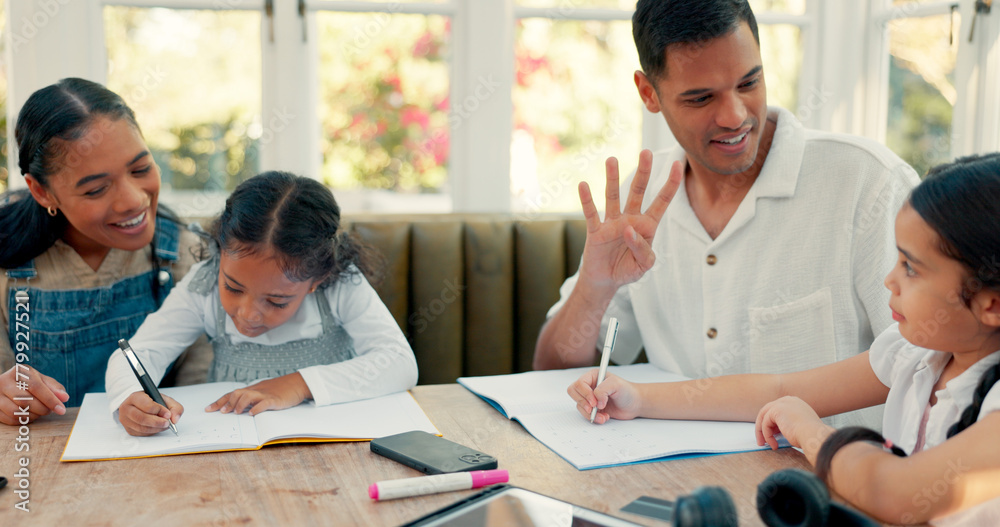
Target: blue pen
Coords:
[[147, 384]]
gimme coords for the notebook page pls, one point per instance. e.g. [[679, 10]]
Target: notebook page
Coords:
[[533, 392], [366, 419], [98, 435], [585, 445]]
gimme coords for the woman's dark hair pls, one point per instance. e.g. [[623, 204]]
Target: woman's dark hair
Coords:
[[51, 117], [961, 202], [658, 24], [298, 218]]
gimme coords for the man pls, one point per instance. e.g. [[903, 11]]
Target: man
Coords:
[[772, 253]]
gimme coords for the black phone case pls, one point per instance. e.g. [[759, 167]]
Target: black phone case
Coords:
[[431, 454]]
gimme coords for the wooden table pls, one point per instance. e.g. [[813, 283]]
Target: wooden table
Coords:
[[326, 483]]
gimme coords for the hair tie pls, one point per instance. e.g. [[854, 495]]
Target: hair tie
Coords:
[[887, 444]]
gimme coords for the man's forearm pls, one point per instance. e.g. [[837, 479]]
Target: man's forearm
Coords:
[[569, 338]]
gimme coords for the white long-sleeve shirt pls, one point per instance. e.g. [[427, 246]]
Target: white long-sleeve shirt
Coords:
[[384, 362]]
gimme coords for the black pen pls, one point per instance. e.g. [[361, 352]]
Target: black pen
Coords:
[[147, 384]]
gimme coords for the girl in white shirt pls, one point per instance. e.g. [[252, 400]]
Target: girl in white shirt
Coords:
[[935, 370], [285, 300]]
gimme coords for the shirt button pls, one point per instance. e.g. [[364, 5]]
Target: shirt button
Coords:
[[712, 333], [711, 259]]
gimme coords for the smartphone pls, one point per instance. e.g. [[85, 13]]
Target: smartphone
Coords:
[[431, 454]]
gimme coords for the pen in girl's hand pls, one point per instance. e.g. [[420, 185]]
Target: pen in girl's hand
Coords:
[[609, 346], [148, 385]]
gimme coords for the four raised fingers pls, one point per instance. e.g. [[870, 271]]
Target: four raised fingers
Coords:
[[666, 194], [638, 189], [612, 206]]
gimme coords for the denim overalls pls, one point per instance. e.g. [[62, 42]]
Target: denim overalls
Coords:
[[73, 332], [248, 361]]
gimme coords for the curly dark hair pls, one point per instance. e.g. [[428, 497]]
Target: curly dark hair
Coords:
[[299, 219]]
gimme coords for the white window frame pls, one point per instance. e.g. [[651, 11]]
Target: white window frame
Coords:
[[842, 86], [976, 116]]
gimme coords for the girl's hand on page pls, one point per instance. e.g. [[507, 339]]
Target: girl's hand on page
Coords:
[[47, 395], [270, 394], [614, 398], [794, 419], [141, 416]]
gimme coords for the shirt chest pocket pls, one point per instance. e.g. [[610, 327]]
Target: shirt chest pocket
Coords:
[[794, 336]]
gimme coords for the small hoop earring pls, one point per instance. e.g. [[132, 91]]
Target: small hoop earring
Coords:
[[52, 211]]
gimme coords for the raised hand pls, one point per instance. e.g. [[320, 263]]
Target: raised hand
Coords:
[[619, 249]]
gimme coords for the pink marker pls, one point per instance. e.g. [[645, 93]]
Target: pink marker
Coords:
[[403, 488]]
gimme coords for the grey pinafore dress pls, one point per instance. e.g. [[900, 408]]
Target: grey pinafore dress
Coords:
[[247, 361]]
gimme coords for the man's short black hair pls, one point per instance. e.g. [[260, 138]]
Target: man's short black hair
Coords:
[[656, 24]]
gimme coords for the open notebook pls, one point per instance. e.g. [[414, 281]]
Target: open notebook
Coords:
[[97, 435], [538, 400]]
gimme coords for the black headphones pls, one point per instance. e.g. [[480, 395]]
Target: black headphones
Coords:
[[787, 498]]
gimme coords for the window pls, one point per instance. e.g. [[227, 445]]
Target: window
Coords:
[[575, 101], [575, 104], [922, 93], [5, 145], [480, 105], [383, 100], [193, 79], [936, 96]]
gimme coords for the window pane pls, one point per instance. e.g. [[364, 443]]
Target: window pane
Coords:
[[921, 90], [563, 5], [792, 7], [194, 80], [781, 54], [4, 147], [384, 100], [575, 104]]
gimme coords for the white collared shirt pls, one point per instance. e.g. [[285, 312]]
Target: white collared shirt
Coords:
[[794, 281], [911, 372]]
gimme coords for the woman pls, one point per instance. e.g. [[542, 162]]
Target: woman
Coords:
[[85, 252]]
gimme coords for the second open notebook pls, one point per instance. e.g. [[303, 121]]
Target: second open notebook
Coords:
[[97, 435], [538, 400]]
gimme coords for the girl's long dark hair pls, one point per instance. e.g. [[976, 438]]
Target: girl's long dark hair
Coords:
[[51, 117], [299, 219], [961, 202], [841, 438]]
